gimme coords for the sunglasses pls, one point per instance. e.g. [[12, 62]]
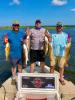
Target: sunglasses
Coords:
[[16, 25], [59, 26]]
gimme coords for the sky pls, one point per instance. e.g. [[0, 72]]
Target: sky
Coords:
[[27, 11]]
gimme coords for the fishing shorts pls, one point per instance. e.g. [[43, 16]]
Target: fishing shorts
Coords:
[[60, 61], [15, 62], [63, 60], [37, 55]]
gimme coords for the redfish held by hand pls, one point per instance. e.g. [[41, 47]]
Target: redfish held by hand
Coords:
[[7, 48], [25, 51]]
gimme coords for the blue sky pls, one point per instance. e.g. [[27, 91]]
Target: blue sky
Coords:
[[27, 11]]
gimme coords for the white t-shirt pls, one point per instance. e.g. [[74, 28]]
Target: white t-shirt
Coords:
[[37, 38]]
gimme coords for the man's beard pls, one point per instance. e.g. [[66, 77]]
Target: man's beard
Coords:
[[16, 30]]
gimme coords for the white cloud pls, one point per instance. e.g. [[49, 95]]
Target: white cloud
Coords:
[[14, 2], [72, 9], [59, 2]]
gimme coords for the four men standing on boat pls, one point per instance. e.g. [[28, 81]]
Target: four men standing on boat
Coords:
[[57, 44]]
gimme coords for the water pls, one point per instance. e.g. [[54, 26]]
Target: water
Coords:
[[6, 65]]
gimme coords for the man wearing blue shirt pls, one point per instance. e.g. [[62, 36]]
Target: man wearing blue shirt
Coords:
[[15, 41], [59, 43]]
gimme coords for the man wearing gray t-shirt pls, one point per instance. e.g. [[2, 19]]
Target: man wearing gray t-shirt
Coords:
[[37, 38]]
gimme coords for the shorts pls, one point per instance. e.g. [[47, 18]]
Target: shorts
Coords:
[[63, 60], [37, 55], [58, 60], [15, 62]]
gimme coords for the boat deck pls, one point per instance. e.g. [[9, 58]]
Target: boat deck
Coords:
[[67, 91]]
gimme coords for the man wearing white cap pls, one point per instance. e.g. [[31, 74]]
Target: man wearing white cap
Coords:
[[59, 44]]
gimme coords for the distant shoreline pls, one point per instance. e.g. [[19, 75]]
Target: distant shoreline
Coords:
[[47, 27]]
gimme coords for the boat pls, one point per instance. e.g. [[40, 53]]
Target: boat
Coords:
[[9, 92]]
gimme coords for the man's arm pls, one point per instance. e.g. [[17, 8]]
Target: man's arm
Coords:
[[28, 31], [69, 38], [26, 37], [48, 35]]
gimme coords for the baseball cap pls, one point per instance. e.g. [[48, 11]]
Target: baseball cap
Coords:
[[37, 21], [15, 22], [59, 24]]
